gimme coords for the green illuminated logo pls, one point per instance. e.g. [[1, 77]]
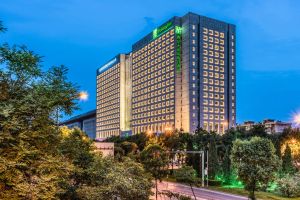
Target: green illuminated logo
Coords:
[[162, 29], [178, 32]]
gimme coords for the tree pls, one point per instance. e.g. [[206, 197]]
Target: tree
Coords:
[[125, 180], [287, 161], [129, 147], [2, 28], [188, 175], [213, 163], [31, 166], [76, 148], [255, 161], [155, 161], [289, 186]]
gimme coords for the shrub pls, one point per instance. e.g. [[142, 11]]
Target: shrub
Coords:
[[289, 185], [214, 183]]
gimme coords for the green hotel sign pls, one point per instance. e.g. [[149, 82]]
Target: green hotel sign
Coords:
[[178, 33], [162, 29]]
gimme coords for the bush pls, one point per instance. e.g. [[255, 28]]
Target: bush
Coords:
[[289, 185], [214, 183]]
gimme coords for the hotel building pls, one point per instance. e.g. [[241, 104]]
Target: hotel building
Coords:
[[113, 97], [182, 76]]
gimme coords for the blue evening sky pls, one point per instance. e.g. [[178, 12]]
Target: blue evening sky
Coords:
[[84, 34]]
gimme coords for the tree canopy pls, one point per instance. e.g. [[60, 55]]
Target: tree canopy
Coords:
[[255, 161]]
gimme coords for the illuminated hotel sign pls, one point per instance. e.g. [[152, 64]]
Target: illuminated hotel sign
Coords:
[[107, 65], [162, 29], [178, 32]]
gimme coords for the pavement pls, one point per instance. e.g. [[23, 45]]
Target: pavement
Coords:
[[201, 193]]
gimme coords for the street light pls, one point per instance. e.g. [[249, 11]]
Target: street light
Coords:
[[168, 129], [297, 119], [83, 96], [149, 133]]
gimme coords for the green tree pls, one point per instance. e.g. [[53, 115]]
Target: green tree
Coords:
[[155, 161], [287, 161], [255, 161], [213, 162], [77, 148], [31, 166], [129, 147], [2, 28], [289, 185], [125, 180], [188, 175]]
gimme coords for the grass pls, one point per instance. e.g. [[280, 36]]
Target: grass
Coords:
[[259, 195], [240, 191]]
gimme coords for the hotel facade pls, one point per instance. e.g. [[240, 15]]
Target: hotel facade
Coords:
[[180, 76]]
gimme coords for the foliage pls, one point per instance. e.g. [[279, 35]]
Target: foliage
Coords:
[[2, 28], [186, 174], [172, 195], [38, 160], [30, 164], [213, 162], [129, 147], [155, 161], [289, 185], [110, 180], [287, 161], [255, 161], [292, 139], [77, 149], [139, 139]]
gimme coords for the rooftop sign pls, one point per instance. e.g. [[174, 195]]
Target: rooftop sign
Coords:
[[162, 29], [107, 65]]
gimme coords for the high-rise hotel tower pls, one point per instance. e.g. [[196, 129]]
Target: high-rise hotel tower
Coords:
[[113, 97], [182, 76]]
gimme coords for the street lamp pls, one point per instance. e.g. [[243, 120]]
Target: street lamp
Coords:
[[83, 96], [149, 133], [297, 119], [168, 129]]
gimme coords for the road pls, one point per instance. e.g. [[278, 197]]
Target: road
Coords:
[[201, 193]]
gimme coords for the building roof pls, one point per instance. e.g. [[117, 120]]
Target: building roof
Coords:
[[80, 117]]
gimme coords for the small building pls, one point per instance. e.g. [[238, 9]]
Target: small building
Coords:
[[247, 125], [85, 122], [271, 126]]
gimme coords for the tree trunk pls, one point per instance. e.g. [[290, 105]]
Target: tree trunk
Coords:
[[156, 189], [193, 191], [252, 190]]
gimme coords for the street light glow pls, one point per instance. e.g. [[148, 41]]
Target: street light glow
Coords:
[[83, 96], [297, 119]]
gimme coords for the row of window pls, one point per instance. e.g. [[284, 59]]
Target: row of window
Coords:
[[159, 52], [108, 133], [151, 98], [155, 122], [159, 88], [152, 72], [153, 128], [103, 116], [156, 109], [153, 78], [114, 70], [161, 40]]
